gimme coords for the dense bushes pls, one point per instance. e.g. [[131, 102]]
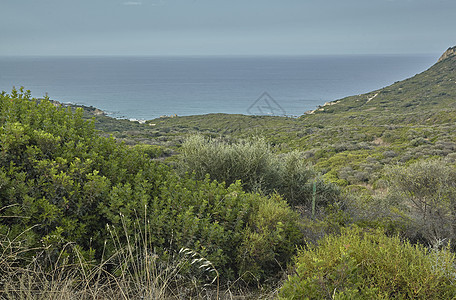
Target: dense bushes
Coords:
[[60, 177], [235, 230], [61, 182], [257, 166], [370, 265]]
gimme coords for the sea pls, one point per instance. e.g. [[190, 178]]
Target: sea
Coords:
[[144, 88]]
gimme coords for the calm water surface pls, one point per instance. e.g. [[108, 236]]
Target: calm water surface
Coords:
[[147, 87]]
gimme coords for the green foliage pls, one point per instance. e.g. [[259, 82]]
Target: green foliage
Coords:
[[269, 240], [61, 182], [217, 221], [248, 161], [370, 265], [59, 173], [152, 151], [294, 179], [257, 166]]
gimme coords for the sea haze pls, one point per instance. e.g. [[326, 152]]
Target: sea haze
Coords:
[[148, 87]]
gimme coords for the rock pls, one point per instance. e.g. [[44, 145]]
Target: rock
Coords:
[[450, 52]]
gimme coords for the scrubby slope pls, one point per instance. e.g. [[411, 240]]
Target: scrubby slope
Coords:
[[352, 140], [60, 183], [426, 93]]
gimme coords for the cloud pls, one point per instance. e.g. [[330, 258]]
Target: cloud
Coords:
[[132, 3], [158, 3]]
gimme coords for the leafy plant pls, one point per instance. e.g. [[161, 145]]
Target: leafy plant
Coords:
[[369, 265]]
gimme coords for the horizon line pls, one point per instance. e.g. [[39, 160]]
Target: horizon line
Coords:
[[214, 55]]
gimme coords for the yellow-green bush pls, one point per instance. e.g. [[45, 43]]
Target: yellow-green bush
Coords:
[[361, 264], [269, 241]]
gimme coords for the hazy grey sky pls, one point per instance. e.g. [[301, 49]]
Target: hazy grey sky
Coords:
[[219, 27]]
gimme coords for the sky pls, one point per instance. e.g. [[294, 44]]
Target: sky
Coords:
[[222, 27]]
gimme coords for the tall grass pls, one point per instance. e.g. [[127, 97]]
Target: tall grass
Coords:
[[134, 271]]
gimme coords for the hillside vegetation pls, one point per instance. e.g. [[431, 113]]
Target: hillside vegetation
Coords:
[[356, 200], [63, 185], [350, 141]]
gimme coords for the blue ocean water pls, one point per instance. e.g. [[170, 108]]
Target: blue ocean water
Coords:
[[148, 87]]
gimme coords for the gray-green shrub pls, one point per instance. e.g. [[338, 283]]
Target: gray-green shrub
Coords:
[[257, 166], [425, 192], [250, 161]]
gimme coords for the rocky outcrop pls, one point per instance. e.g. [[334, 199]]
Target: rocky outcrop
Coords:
[[99, 112], [450, 52]]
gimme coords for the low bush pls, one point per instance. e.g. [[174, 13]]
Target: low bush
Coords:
[[269, 241], [369, 265], [237, 231]]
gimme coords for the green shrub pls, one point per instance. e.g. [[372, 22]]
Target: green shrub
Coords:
[[295, 179], [59, 177], [219, 223], [370, 265], [152, 151], [269, 241], [248, 161], [257, 166]]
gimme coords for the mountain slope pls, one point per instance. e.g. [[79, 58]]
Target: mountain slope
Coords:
[[423, 95]]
